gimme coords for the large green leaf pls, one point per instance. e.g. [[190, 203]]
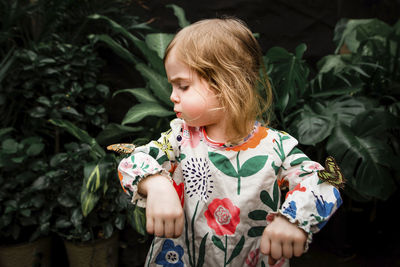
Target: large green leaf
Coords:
[[180, 14], [358, 30], [150, 55], [140, 111], [313, 128], [158, 42], [115, 132], [137, 219], [95, 175], [158, 83], [118, 49], [141, 94], [88, 201], [81, 135], [289, 75], [374, 122], [365, 162]]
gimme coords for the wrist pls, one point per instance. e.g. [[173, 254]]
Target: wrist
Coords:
[[152, 183]]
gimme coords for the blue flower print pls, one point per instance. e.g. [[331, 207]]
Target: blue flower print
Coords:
[[170, 255], [338, 197], [291, 210], [324, 208]]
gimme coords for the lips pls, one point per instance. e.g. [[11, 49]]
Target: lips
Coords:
[[178, 114]]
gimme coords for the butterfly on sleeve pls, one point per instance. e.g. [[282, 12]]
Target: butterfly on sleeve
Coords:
[[123, 148], [332, 173]]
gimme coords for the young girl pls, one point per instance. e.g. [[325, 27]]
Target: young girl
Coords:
[[212, 183]]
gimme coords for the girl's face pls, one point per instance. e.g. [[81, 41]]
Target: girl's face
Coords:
[[193, 99]]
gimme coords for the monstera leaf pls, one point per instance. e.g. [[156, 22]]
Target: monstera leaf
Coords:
[[366, 161]]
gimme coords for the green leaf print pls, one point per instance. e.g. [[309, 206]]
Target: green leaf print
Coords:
[[202, 251], [252, 166], [218, 242], [267, 200], [258, 215], [276, 168], [299, 161], [163, 159], [295, 150], [279, 149], [256, 231], [223, 164], [154, 152], [236, 251]]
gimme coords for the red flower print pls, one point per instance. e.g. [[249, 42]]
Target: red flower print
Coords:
[[297, 188], [253, 257], [179, 190], [222, 216]]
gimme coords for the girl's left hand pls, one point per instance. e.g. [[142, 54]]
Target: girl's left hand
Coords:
[[282, 238]]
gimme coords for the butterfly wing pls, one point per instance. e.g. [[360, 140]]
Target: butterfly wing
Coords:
[[332, 173], [123, 148]]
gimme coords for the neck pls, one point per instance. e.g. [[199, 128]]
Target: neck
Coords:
[[216, 133]]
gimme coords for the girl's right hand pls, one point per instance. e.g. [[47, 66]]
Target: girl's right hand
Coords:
[[164, 213]]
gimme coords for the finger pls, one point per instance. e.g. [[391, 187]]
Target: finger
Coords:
[[150, 225], [298, 248], [287, 250], [159, 228], [276, 250], [178, 226], [169, 228], [265, 245]]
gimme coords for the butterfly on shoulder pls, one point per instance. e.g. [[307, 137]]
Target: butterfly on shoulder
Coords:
[[332, 173], [123, 148]]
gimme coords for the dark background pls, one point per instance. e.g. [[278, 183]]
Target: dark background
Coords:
[[285, 23]]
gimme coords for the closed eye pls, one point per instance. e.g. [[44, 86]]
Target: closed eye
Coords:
[[183, 88]]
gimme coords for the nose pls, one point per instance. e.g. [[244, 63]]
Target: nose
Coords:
[[174, 96]]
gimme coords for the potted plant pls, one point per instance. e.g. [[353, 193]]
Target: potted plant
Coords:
[[25, 210], [91, 239]]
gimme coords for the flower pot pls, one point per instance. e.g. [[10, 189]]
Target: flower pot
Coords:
[[35, 253], [98, 253]]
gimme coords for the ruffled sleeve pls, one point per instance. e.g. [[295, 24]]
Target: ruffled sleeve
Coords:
[[310, 202], [154, 158]]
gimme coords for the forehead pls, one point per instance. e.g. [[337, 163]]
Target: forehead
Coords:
[[176, 68]]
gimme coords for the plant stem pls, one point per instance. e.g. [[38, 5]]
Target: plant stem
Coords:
[[226, 248]]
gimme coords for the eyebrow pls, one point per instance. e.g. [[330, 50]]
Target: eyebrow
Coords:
[[178, 79]]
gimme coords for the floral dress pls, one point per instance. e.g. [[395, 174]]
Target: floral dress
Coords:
[[229, 193]]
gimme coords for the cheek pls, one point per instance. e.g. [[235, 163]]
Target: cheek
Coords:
[[195, 107]]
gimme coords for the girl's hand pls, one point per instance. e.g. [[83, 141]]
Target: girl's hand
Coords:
[[282, 238], [164, 213]]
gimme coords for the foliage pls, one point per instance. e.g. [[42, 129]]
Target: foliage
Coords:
[[24, 208], [146, 55], [54, 80], [72, 221], [49, 71], [350, 109]]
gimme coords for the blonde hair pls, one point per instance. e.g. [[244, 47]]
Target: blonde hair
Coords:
[[225, 53]]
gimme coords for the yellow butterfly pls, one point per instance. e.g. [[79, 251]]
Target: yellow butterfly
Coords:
[[332, 173], [124, 148]]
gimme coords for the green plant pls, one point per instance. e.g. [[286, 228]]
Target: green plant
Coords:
[[25, 210], [146, 55], [49, 70], [350, 109], [101, 207]]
